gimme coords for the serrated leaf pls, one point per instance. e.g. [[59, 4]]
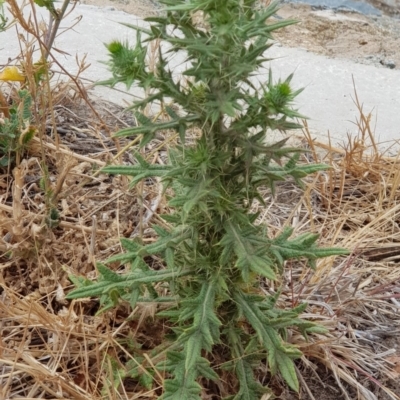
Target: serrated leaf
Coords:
[[109, 275], [170, 258], [123, 258], [287, 370], [133, 278], [250, 389], [280, 355], [130, 245], [80, 281]]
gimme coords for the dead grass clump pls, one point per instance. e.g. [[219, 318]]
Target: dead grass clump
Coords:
[[59, 214], [354, 204], [51, 347]]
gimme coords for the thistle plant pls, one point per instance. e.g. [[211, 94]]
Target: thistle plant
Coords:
[[217, 258]]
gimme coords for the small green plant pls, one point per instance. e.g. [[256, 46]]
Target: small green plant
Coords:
[[16, 130], [3, 18], [216, 256]]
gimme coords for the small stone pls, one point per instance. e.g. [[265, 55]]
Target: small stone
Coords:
[[390, 64]]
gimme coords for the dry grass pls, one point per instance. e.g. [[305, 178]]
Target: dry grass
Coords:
[[52, 348], [355, 204]]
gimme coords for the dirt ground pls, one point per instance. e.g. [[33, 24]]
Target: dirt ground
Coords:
[[366, 40]]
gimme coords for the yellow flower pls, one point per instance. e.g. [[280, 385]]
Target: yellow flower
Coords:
[[12, 74]]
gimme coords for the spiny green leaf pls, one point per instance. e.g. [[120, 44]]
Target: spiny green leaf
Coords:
[[137, 170], [109, 275], [250, 388], [205, 322], [246, 251], [280, 355], [136, 277], [174, 390], [170, 258], [130, 245], [123, 257], [287, 369]]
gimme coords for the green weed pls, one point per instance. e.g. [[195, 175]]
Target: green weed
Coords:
[[16, 130], [217, 258]]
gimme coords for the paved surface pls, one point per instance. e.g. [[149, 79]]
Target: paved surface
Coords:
[[326, 99]]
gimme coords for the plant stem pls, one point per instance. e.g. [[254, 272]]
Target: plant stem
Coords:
[[53, 30]]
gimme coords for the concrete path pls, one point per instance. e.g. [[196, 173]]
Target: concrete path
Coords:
[[327, 99]]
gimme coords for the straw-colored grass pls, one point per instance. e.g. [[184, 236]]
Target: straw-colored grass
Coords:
[[53, 348]]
